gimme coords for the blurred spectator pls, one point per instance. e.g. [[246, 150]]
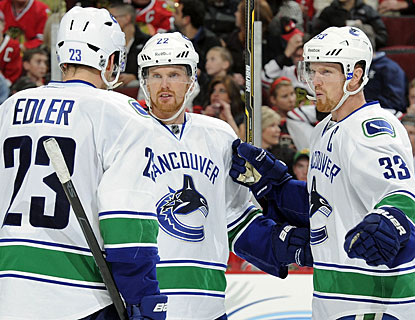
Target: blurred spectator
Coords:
[[220, 16], [387, 80], [300, 164], [189, 18], [351, 13], [153, 16], [282, 96], [235, 42], [25, 21], [272, 139], [225, 102], [408, 122], [404, 7], [411, 97], [285, 63], [290, 9], [4, 88], [134, 38], [35, 65], [10, 58], [21, 84], [218, 63], [270, 125]]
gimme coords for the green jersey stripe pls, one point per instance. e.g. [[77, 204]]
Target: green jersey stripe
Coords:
[[357, 284], [123, 230], [244, 222], [400, 201], [188, 277], [48, 262]]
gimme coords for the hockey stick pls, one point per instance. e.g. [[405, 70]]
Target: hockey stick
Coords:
[[249, 66], [58, 162]]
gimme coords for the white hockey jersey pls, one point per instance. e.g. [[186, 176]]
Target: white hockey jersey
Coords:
[[197, 205], [357, 164], [46, 268]]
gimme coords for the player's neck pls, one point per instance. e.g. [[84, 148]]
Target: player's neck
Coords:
[[84, 75], [351, 104]]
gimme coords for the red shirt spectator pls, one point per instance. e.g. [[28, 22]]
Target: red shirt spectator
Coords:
[[156, 15], [25, 23], [10, 58]]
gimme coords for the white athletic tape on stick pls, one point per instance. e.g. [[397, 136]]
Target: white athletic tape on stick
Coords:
[[56, 157]]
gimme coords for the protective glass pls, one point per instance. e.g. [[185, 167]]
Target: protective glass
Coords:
[[312, 73], [173, 77]]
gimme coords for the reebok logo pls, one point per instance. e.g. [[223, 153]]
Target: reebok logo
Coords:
[[394, 221], [160, 307]]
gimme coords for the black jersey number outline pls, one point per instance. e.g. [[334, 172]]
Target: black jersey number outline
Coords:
[[37, 217]]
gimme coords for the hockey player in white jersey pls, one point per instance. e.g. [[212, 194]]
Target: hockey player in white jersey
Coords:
[[47, 270], [201, 212], [360, 185]]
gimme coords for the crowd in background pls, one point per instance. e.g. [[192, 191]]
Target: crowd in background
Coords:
[[217, 31]]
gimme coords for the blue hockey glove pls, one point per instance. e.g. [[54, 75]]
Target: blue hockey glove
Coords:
[[292, 245], [151, 308], [379, 237], [256, 168]]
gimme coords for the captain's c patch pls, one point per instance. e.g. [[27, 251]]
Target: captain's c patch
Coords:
[[377, 126]]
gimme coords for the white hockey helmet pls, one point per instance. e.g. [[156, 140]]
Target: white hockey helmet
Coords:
[[168, 49], [89, 36], [344, 45]]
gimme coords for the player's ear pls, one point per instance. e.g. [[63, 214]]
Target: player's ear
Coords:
[[356, 79], [110, 65]]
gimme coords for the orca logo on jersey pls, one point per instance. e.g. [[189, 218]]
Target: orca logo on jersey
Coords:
[[377, 126], [177, 212], [318, 204]]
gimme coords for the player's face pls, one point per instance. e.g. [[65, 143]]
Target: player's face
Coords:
[[167, 86], [214, 63], [300, 169], [271, 135], [328, 80], [219, 93], [284, 99]]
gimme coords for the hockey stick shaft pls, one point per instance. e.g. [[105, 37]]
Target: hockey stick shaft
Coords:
[[249, 70], [58, 162]]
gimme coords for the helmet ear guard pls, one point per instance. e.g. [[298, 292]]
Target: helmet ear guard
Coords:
[[89, 36]]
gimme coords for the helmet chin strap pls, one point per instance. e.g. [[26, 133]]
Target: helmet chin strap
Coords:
[[113, 84], [347, 93], [178, 113]]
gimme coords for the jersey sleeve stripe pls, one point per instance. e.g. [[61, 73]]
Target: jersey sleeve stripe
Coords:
[[234, 223], [127, 214], [118, 231], [401, 199], [234, 234]]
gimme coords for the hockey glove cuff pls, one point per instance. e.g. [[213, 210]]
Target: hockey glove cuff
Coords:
[[379, 237], [292, 245], [151, 308]]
